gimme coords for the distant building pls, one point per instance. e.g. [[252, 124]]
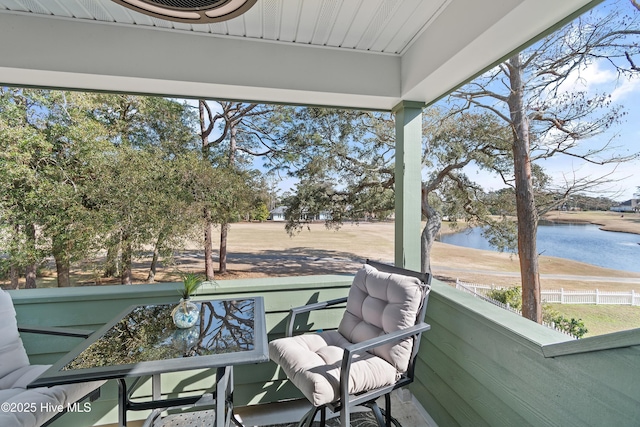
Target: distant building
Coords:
[[323, 216], [632, 205], [277, 214]]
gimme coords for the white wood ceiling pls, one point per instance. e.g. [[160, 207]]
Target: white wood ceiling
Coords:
[[387, 26], [344, 53]]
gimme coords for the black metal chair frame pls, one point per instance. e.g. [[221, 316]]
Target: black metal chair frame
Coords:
[[368, 398]]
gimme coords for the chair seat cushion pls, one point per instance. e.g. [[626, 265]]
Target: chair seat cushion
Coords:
[[29, 403], [312, 362], [28, 407], [20, 378]]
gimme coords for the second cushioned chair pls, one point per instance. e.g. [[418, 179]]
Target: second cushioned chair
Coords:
[[371, 353], [36, 406]]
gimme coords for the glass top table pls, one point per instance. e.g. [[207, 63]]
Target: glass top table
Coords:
[[142, 341]]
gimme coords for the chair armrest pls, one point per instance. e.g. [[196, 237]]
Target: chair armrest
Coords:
[[387, 338], [52, 330], [310, 307], [369, 344]]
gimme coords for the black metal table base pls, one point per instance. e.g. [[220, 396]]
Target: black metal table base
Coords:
[[223, 400]]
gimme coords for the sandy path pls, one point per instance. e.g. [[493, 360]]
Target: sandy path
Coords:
[[264, 249]]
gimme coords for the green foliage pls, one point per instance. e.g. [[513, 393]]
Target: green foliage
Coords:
[[260, 212], [93, 172], [511, 296], [586, 203], [571, 325], [344, 162], [191, 282], [48, 145]]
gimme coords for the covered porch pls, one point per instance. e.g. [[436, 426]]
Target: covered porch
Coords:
[[479, 365], [396, 56]]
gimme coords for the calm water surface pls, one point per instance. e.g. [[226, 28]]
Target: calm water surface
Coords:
[[579, 242]]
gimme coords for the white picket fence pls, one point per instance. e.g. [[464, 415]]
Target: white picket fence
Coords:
[[568, 297], [480, 291]]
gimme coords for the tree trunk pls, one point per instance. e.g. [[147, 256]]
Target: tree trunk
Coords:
[[14, 276], [525, 203], [30, 276], [30, 270], [208, 248], [233, 142], [224, 227], [14, 269], [111, 268], [224, 232], [151, 277], [63, 267], [63, 264], [208, 227], [127, 256], [429, 233]]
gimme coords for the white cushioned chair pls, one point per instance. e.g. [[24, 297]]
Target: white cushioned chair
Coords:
[[371, 353], [24, 406]]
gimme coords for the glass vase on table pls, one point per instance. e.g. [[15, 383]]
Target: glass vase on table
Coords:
[[185, 314]]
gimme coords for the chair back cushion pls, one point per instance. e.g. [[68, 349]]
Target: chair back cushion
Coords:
[[12, 353], [380, 303]]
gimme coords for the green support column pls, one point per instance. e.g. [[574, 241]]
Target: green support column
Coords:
[[408, 184]]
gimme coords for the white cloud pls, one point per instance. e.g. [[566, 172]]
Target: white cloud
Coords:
[[587, 78], [600, 77], [627, 87]]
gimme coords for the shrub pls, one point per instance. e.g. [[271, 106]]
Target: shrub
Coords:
[[511, 296], [571, 326], [260, 213]]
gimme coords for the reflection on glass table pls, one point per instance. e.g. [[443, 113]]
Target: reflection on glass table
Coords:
[[147, 333], [143, 341]]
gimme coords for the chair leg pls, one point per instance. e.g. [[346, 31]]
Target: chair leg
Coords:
[[387, 409], [383, 416], [377, 413], [345, 416], [307, 419]]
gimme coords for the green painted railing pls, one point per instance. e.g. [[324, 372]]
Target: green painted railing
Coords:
[[478, 365], [484, 366]]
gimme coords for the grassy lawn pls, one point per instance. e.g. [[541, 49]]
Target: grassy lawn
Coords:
[[602, 319], [627, 222], [265, 249]]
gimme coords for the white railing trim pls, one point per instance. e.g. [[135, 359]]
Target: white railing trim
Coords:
[[569, 296]]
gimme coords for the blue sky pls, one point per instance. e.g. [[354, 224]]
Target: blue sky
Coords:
[[599, 78]]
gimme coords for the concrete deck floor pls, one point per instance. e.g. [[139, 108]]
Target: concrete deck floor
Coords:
[[404, 408]]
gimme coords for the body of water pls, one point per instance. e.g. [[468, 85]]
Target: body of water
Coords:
[[579, 242]]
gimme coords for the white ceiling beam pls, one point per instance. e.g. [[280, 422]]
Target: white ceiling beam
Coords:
[[69, 53], [489, 30], [465, 38]]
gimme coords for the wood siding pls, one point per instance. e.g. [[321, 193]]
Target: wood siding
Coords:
[[483, 366]]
